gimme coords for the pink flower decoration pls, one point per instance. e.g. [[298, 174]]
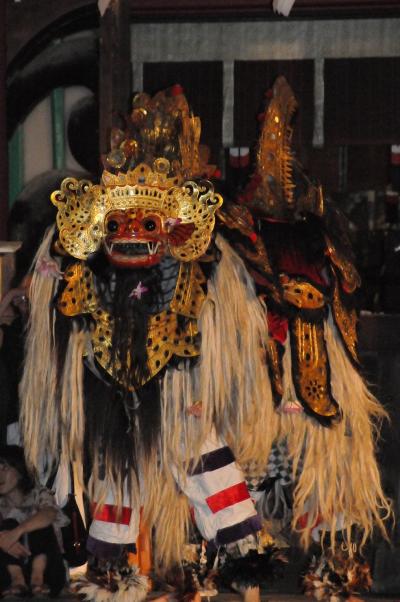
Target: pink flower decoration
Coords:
[[138, 291], [292, 407], [171, 222], [195, 409], [49, 268]]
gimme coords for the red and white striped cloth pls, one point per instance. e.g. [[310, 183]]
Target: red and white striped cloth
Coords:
[[223, 509], [112, 527]]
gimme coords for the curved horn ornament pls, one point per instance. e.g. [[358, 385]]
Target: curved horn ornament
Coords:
[[197, 204], [80, 216]]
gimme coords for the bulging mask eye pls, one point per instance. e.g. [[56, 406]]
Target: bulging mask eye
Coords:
[[112, 225], [150, 225]]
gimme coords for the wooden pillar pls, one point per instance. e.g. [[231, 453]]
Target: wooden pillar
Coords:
[[3, 126], [115, 69]]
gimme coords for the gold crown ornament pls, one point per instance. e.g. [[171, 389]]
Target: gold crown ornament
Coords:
[[167, 183], [280, 188]]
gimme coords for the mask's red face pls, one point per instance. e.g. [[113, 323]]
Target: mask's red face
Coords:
[[139, 238], [135, 238]]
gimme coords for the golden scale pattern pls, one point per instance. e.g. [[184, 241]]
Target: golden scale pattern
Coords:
[[165, 337]]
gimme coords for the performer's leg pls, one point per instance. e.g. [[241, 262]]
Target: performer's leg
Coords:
[[47, 567], [12, 579], [223, 509], [113, 531], [112, 535]]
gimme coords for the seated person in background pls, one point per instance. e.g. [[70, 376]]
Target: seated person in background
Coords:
[[14, 311], [30, 553]]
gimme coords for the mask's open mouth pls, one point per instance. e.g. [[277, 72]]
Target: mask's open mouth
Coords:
[[133, 249], [134, 254]]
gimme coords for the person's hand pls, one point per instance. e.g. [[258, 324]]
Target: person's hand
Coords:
[[18, 551], [16, 297], [9, 538]]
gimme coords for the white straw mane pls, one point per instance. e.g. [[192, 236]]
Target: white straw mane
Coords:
[[39, 416], [340, 478], [232, 385]]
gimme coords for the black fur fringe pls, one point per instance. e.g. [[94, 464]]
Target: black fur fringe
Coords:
[[337, 576], [254, 569]]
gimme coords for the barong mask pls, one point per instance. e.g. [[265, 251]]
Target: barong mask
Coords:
[[150, 206]]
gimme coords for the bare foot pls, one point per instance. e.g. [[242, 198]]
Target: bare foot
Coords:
[[38, 567], [17, 584], [248, 594]]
